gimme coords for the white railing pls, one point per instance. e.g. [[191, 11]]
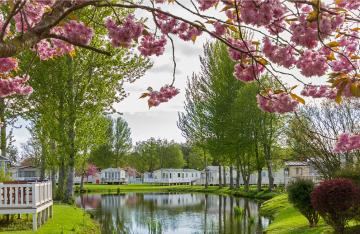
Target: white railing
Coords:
[[29, 195]]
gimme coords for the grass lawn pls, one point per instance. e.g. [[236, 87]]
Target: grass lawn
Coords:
[[287, 220], [177, 188], [66, 219]]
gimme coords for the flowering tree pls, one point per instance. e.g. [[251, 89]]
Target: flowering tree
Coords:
[[298, 39]]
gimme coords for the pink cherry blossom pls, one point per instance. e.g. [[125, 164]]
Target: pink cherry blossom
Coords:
[[312, 63], [263, 13], [243, 48], [8, 64], [149, 45], [276, 103], [78, 32], [220, 29], [349, 4], [322, 91], [123, 35], [206, 4], [247, 73], [14, 85], [347, 142], [164, 95], [281, 55]]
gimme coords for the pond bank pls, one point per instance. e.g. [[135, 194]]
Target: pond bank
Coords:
[[264, 195], [287, 220], [66, 219]]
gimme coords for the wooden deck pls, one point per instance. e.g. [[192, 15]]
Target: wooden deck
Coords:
[[27, 198]]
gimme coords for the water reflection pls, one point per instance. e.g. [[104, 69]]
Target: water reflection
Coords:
[[167, 213]]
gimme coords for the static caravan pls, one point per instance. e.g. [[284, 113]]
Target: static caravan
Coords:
[[172, 176], [113, 176]]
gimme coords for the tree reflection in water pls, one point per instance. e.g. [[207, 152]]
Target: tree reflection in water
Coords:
[[156, 213]]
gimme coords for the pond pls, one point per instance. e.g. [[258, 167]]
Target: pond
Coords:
[[173, 213]]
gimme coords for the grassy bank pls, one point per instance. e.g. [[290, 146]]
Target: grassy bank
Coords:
[[67, 219], [178, 188], [287, 220]]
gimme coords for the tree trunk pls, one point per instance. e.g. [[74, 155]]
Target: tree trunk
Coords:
[[53, 180], [259, 180], [224, 176], [3, 127], [82, 182], [231, 177], [220, 184], [71, 137], [270, 174], [258, 166], [206, 171], [237, 176], [43, 160], [61, 180]]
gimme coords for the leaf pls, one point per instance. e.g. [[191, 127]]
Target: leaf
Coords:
[[233, 28], [193, 38], [263, 61], [312, 16], [144, 95], [355, 89], [297, 98], [333, 44], [355, 29], [331, 57], [227, 7]]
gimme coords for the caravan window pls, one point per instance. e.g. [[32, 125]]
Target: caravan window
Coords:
[[179, 175]]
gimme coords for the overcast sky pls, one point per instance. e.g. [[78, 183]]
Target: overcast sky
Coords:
[[158, 122]]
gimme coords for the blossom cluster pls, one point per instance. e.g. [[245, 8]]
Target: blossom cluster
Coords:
[[14, 85], [268, 13], [8, 64], [347, 142], [276, 103], [247, 73], [306, 32], [163, 95], [149, 45], [78, 32], [281, 55], [312, 63], [171, 25], [123, 35], [31, 14], [349, 4], [206, 4], [50, 48], [322, 91]]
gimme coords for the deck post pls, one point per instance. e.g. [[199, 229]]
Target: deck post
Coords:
[[34, 221]]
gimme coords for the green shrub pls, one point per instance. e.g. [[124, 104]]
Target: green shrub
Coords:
[[4, 177], [299, 194]]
